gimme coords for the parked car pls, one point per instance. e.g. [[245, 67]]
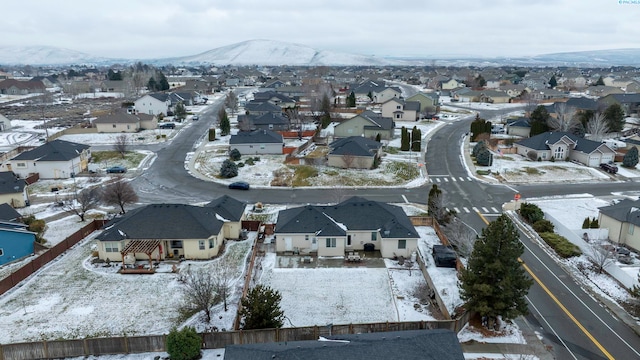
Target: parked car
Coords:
[[444, 256], [116, 170], [610, 168], [195, 118], [239, 185], [167, 126]]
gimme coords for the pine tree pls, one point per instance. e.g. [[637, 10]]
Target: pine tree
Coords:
[[404, 139], [553, 82], [614, 115], [181, 111], [351, 100], [594, 224], [539, 118], [261, 309], [586, 222], [600, 81], [480, 145], [228, 169], [494, 283], [484, 157], [184, 344], [415, 139], [630, 159], [225, 125]]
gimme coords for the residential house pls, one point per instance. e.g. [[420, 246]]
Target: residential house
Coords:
[[621, 219], [332, 230], [629, 102], [583, 104], [438, 344], [565, 146], [548, 94], [275, 98], [8, 213], [153, 104], [256, 142], [354, 152], [367, 124], [57, 159], [16, 242], [367, 88], [231, 211], [5, 124], [257, 108], [388, 93], [427, 101], [13, 190], [514, 90], [519, 127], [274, 84], [398, 109], [602, 90], [484, 96], [160, 231], [121, 121], [268, 121], [18, 87], [450, 84]]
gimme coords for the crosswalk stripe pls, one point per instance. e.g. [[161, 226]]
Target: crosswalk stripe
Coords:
[[438, 179], [484, 209], [495, 210], [461, 178], [466, 210], [475, 209], [453, 179], [469, 179], [446, 180], [456, 210]]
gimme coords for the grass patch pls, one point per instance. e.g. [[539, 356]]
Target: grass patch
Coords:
[[392, 150], [532, 171], [507, 158], [302, 175], [131, 158], [563, 247], [483, 172], [318, 152], [402, 170]]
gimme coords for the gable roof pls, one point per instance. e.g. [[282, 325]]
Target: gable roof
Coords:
[[261, 136], [270, 118], [56, 150], [262, 106], [307, 219], [437, 344], [227, 207], [583, 103], [544, 140], [376, 121], [520, 122], [412, 106], [354, 145], [7, 213], [626, 98], [163, 221], [159, 96], [118, 117], [625, 211], [431, 96], [10, 184]]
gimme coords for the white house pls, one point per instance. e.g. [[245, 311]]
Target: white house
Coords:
[[153, 104], [5, 124], [257, 142], [57, 159]]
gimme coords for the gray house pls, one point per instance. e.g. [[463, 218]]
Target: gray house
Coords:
[[354, 152], [257, 142], [367, 124], [563, 146]]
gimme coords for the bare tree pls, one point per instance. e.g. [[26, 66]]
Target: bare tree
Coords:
[[461, 236], [565, 119], [121, 144], [198, 291], [80, 203], [223, 273], [231, 102], [347, 160], [600, 256], [597, 127], [120, 193]]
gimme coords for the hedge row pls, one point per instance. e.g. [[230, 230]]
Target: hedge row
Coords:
[[563, 247]]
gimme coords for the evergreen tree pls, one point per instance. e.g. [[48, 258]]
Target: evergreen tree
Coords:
[[351, 100], [630, 159], [553, 82], [370, 95], [600, 81], [494, 283], [479, 146], [484, 157], [586, 222], [212, 134], [228, 169], [378, 137], [594, 224], [163, 84], [415, 139], [538, 120], [235, 155], [184, 344], [225, 125], [181, 111], [405, 140], [614, 115], [261, 309], [152, 85]]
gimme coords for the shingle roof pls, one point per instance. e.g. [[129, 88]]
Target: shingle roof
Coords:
[[255, 137], [227, 207], [376, 120], [583, 103], [544, 140], [519, 122], [354, 145], [118, 117], [625, 211], [307, 219], [56, 150], [7, 213], [163, 221], [265, 106], [160, 96], [270, 118], [412, 105], [10, 184], [406, 345], [626, 98]]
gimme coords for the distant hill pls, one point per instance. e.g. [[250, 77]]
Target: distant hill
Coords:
[[270, 53]]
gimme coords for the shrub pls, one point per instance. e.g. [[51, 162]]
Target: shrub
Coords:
[[484, 157], [249, 161], [235, 155], [531, 212], [563, 247], [228, 169], [543, 225], [630, 159], [594, 224], [586, 223], [212, 134], [240, 164], [184, 344], [476, 149]]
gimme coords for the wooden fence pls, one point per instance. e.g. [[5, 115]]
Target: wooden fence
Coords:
[[214, 340], [34, 265]]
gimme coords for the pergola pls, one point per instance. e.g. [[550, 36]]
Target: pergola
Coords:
[[144, 246]]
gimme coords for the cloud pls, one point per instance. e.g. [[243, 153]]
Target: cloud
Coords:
[[163, 28]]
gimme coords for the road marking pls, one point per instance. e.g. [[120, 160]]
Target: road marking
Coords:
[[484, 209], [438, 180], [445, 179], [476, 210], [405, 199], [456, 210], [469, 179], [495, 210], [453, 179], [563, 308], [466, 210], [551, 327], [461, 178]]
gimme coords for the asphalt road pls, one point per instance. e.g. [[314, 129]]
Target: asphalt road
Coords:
[[595, 333]]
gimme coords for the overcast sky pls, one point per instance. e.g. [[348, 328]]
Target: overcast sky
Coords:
[[426, 28]]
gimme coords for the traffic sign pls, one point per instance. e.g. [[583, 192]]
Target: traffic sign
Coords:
[[516, 196]]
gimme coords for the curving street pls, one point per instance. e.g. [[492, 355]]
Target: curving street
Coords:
[[569, 319]]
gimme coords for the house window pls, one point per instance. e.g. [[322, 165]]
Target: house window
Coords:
[[113, 125], [270, 126], [398, 116], [331, 242], [111, 247], [212, 243], [21, 165], [306, 238], [349, 131], [374, 236], [262, 146], [201, 244], [631, 226], [559, 153], [1, 251], [398, 107], [402, 244], [176, 244], [544, 156]]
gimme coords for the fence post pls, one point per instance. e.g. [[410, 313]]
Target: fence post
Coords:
[[45, 347], [126, 344], [1, 353]]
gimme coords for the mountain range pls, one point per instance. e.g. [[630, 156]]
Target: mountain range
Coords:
[[272, 53]]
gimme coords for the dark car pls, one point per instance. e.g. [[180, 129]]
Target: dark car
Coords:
[[117, 170], [610, 168], [167, 126], [239, 185], [444, 256]]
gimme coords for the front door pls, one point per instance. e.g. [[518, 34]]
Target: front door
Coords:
[[348, 240], [314, 244], [288, 244]]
